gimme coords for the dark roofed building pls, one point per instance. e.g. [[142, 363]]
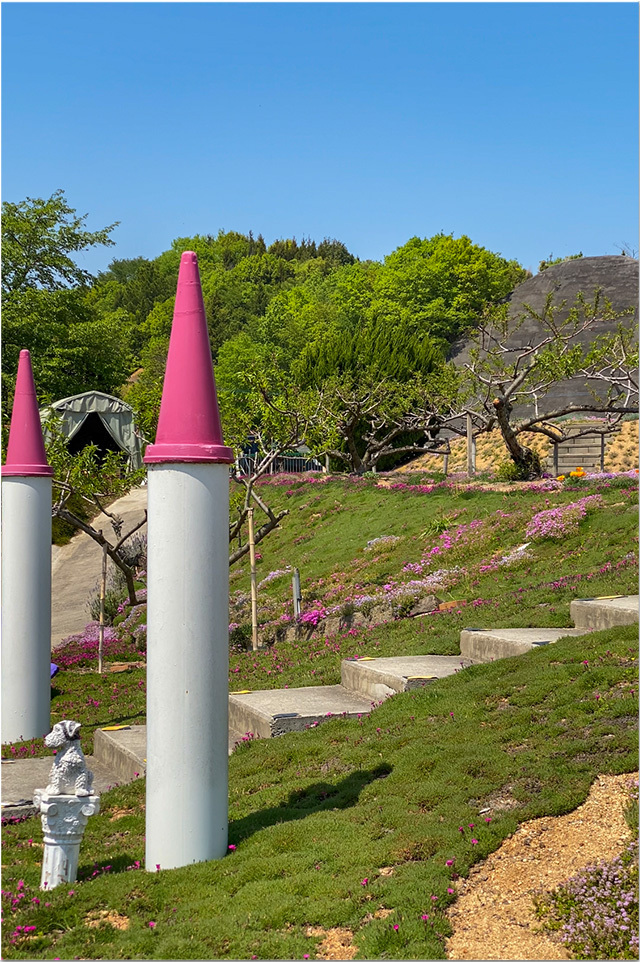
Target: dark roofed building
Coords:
[[617, 276]]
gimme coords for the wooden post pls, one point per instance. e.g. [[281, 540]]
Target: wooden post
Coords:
[[297, 598], [254, 584], [103, 591], [555, 458], [445, 464], [326, 464], [471, 453], [602, 446]]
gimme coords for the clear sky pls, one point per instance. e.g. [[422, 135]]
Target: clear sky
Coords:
[[514, 123]]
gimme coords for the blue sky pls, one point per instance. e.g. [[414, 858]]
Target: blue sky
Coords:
[[514, 123]]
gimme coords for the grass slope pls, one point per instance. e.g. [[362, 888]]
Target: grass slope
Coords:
[[351, 825], [327, 535], [334, 825]]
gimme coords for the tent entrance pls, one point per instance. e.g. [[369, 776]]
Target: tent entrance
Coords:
[[93, 431]]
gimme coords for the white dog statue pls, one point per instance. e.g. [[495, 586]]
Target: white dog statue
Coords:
[[69, 772]]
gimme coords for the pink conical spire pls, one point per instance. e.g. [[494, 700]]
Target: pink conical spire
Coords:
[[26, 455], [189, 426]]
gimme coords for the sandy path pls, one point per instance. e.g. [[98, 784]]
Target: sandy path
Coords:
[[493, 916], [75, 567]]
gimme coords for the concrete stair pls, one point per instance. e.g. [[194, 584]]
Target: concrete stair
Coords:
[[120, 751], [482, 645], [586, 452], [588, 614], [380, 677], [278, 711], [21, 777], [274, 712], [597, 614]]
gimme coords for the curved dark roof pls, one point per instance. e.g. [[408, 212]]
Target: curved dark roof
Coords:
[[617, 276]]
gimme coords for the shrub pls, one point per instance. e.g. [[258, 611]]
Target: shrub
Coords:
[[510, 471], [115, 594], [240, 637]]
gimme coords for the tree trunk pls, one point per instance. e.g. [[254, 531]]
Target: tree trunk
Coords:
[[526, 460], [356, 460]]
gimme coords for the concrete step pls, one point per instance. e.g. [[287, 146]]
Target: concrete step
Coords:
[[605, 612], [480, 645], [281, 710], [21, 777], [379, 677], [122, 750]]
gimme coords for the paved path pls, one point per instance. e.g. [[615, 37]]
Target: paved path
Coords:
[[75, 567]]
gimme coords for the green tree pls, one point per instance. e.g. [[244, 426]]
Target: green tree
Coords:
[[38, 238], [445, 282], [45, 304]]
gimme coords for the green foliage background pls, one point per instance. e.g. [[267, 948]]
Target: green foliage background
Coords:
[[296, 312]]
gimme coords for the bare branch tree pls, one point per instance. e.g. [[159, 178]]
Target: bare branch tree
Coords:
[[502, 383], [360, 422]]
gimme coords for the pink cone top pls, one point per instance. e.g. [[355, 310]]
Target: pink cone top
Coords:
[[26, 455], [189, 426]]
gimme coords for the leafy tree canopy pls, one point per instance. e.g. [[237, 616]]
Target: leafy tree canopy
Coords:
[[445, 282], [38, 237]]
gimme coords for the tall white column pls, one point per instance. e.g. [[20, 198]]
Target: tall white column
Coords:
[[187, 600], [26, 569], [187, 664], [26, 607]]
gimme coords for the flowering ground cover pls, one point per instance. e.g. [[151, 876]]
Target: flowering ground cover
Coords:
[[360, 825], [596, 911]]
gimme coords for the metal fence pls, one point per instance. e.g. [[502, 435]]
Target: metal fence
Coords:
[[288, 464]]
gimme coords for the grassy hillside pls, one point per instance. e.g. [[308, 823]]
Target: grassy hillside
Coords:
[[363, 827], [364, 543]]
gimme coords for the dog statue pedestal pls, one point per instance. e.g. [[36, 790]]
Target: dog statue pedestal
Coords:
[[65, 815], [64, 819]]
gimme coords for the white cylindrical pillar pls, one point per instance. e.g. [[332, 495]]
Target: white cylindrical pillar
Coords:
[[187, 600], [26, 569], [26, 607], [187, 664]]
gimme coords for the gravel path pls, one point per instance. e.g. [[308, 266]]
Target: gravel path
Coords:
[[75, 567]]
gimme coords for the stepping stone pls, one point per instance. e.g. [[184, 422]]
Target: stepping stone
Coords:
[[605, 612], [123, 750], [282, 710], [380, 677], [480, 645]]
